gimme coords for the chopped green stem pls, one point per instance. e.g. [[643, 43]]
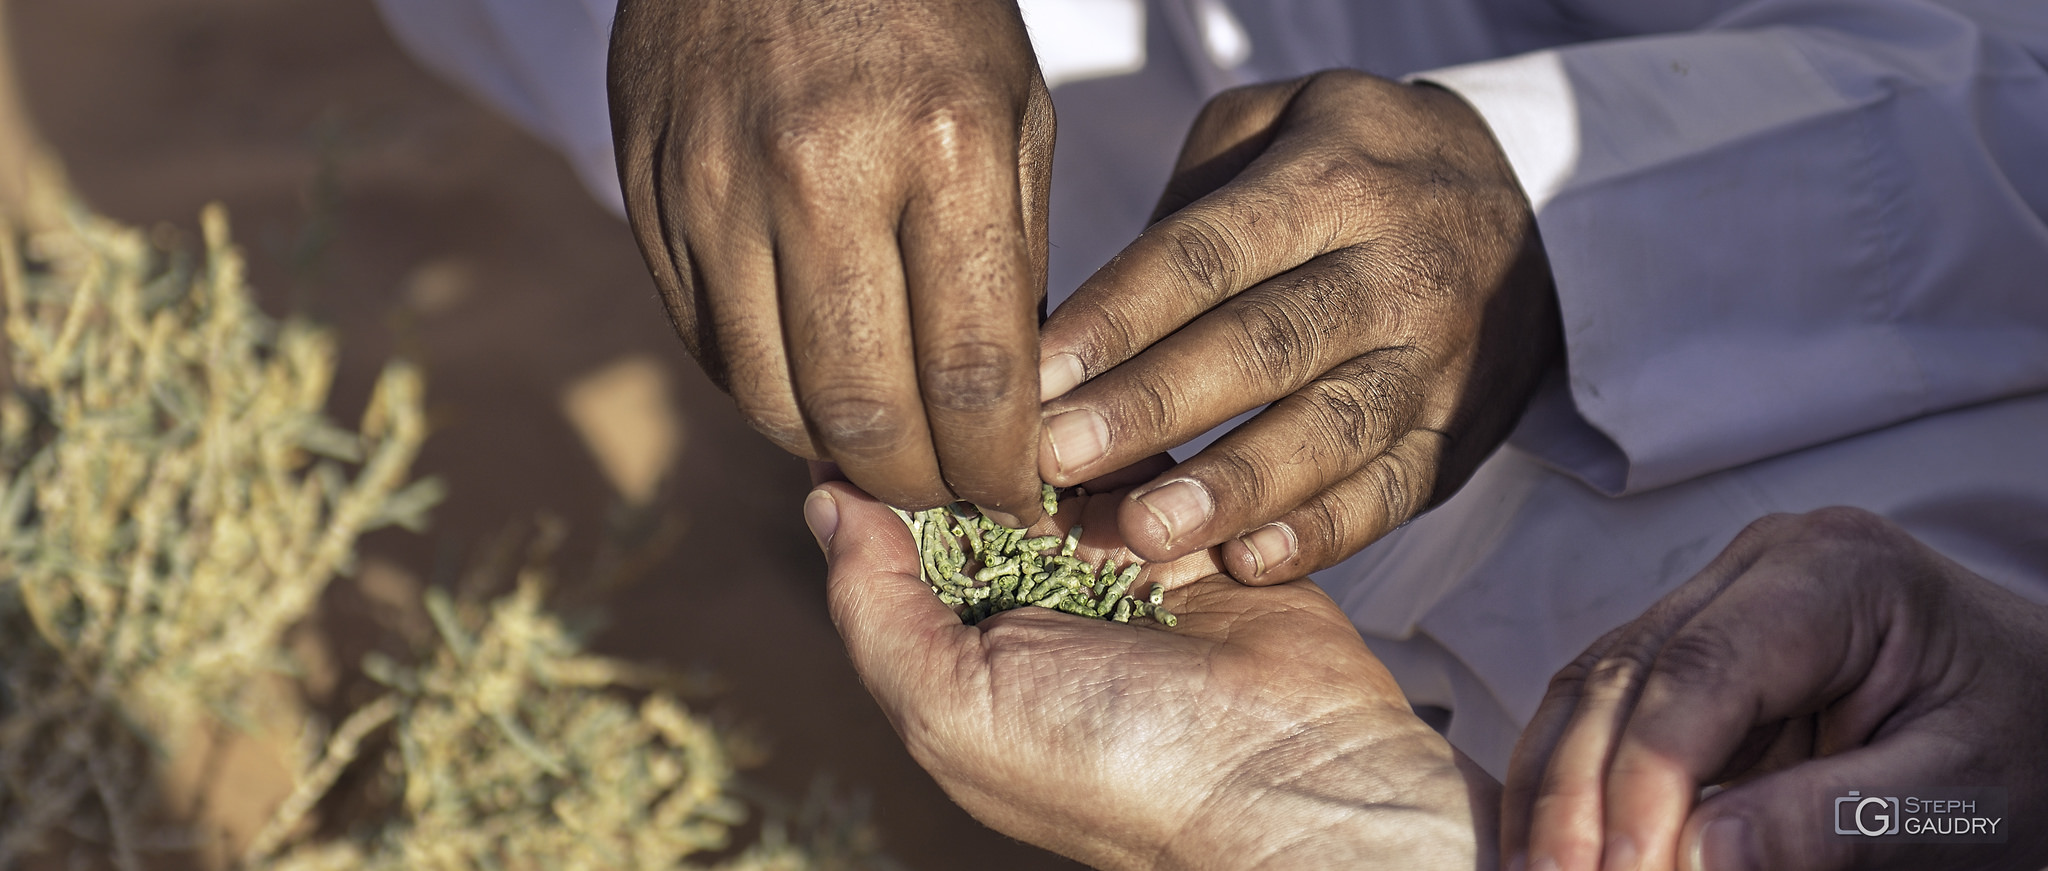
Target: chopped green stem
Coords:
[[984, 568]]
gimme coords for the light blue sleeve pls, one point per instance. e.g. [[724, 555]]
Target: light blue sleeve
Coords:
[[541, 62], [1805, 220]]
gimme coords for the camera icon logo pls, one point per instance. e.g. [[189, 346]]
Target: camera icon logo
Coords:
[[1868, 815]]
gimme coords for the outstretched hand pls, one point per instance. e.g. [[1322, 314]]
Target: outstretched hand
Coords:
[[1259, 733], [1356, 252], [1818, 654]]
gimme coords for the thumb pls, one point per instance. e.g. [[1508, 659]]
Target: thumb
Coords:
[[878, 598], [1794, 818]]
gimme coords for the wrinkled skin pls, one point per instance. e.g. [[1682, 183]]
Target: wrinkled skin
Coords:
[[1818, 654], [843, 205], [1259, 733], [1356, 252]]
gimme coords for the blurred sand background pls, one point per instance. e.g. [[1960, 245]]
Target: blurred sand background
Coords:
[[387, 205]]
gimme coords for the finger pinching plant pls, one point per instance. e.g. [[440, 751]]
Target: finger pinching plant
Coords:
[[985, 568]]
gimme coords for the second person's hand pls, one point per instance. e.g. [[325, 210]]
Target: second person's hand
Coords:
[[1818, 654], [843, 205], [1355, 251]]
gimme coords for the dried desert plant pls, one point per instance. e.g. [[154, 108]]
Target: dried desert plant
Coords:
[[513, 749], [175, 500]]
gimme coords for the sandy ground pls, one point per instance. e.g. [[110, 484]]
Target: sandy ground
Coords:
[[387, 205]]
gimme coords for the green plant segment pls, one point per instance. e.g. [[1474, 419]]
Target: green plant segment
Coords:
[[985, 568]]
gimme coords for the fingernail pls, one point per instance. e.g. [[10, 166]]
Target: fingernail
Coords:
[[1620, 855], [1725, 845], [1058, 374], [1519, 862], [1004, 518], [1179, 505], [1078, 438], [1270, 545], [1544, 864], [821, 513]]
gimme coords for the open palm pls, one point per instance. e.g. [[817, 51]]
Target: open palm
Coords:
[[1259, 731]]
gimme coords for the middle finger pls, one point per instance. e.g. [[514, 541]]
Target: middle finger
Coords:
[[847, 325], [973, 303], [1302, 445], [1258, 346]]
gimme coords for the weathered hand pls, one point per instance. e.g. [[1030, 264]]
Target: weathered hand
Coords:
[[1259, 733], [1818, 654], [844, 207], [1353, 250]]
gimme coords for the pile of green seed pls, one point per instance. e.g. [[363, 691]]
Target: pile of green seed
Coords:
[[988, 568]]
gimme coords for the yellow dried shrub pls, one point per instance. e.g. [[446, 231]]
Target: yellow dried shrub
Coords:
[[175, 500]]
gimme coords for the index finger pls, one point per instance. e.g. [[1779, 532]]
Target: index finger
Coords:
[[1782, 642], [1552, 806], [1260, 224]]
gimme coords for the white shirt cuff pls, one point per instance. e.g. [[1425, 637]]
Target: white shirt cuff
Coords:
[[1527, 100]]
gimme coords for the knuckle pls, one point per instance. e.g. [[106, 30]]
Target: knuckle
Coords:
[[1845, 525], [1339, 79], [1422, 263], [1109, 328], [1200, 252], [710, 182], [1699, 658], [689, 164], [1769, 526], [814, 146], [1237, 478], [1229, 102], [1345, 176], [1612, 675], [1619, 669], [1345, 193], [1274, 343], [782, 427], [856, 422], [944, 129], [1318, 528], [1162, 403], [1571, 680], [1383, 491], [1233, 107], [1837, 532], [1761, 534], [798, 137], [1149, 402], [1368, 406], [1279, 340], [970, 376], [1401, 485]]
